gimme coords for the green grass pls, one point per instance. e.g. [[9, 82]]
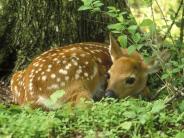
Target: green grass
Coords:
[[127, 118]]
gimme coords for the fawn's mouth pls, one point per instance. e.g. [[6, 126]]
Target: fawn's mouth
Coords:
[[111, 94]]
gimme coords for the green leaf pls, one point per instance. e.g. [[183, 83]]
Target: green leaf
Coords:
[[132, 29], [139, 46], [116, 26], [136, 37], [116, 32], [83, 8], [96, 9], [98, 4], [131, 49], [165, 76], [123, 40], [143, 118], [120, 18], [129, 114], [87, 2], [176, 70], [181, 106], [47, 103], [180, 135], [126, 125], [146, 22], [158, 106], [148, 2], [56, 95]]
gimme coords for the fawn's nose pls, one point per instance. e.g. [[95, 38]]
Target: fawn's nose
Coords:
[[111, 94]]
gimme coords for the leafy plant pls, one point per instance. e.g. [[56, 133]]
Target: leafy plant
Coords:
[[108, 118], [52, 102]]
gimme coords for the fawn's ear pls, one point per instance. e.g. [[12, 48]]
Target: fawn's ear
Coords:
[[114, 49], [155, 64]]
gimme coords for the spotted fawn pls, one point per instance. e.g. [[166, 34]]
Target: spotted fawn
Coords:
[[80, 69]]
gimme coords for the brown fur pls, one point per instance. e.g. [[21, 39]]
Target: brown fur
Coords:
[[91, 59]]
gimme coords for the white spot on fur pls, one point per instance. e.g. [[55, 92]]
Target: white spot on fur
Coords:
[[44, 78], [49, 66], [62, 71], [53, 86], [99, 60], [55, 59], [31, 75], [16, 89], [53, 76], [42, 73], [58, 61], [53, 55], [38, 78], [75, 63], [36, 64], [12, 82], [82, 55], [79, 71], [64, 61], [30, 86], [68, 66], [58, 79], [61, 54], [48, 70], [73, 48], [39, 69], [86, 74]]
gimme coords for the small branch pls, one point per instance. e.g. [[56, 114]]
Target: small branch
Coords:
[[178, 93], [158, 92], [182, 24], [153, 17], [164, 20], [173, 21]]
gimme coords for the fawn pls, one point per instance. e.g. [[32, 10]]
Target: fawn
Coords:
[[80, 70]]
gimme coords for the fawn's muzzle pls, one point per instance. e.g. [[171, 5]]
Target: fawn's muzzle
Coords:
[[111, 94]]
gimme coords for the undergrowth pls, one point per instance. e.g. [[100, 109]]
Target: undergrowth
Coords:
[[109, 118]]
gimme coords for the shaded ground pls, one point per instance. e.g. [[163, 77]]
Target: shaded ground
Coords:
[[5, 94]]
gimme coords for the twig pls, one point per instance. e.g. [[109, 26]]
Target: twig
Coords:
[[165, 83], [182, 24], [158, 92], [164, 20], [173, 21], [152, 12], [178, 93]]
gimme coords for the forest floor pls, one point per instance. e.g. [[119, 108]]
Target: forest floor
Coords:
[[108, 118]]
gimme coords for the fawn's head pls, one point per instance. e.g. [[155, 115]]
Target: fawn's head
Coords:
[[128, 73]]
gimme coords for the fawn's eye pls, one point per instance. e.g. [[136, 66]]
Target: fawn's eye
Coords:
[[130, 80]]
